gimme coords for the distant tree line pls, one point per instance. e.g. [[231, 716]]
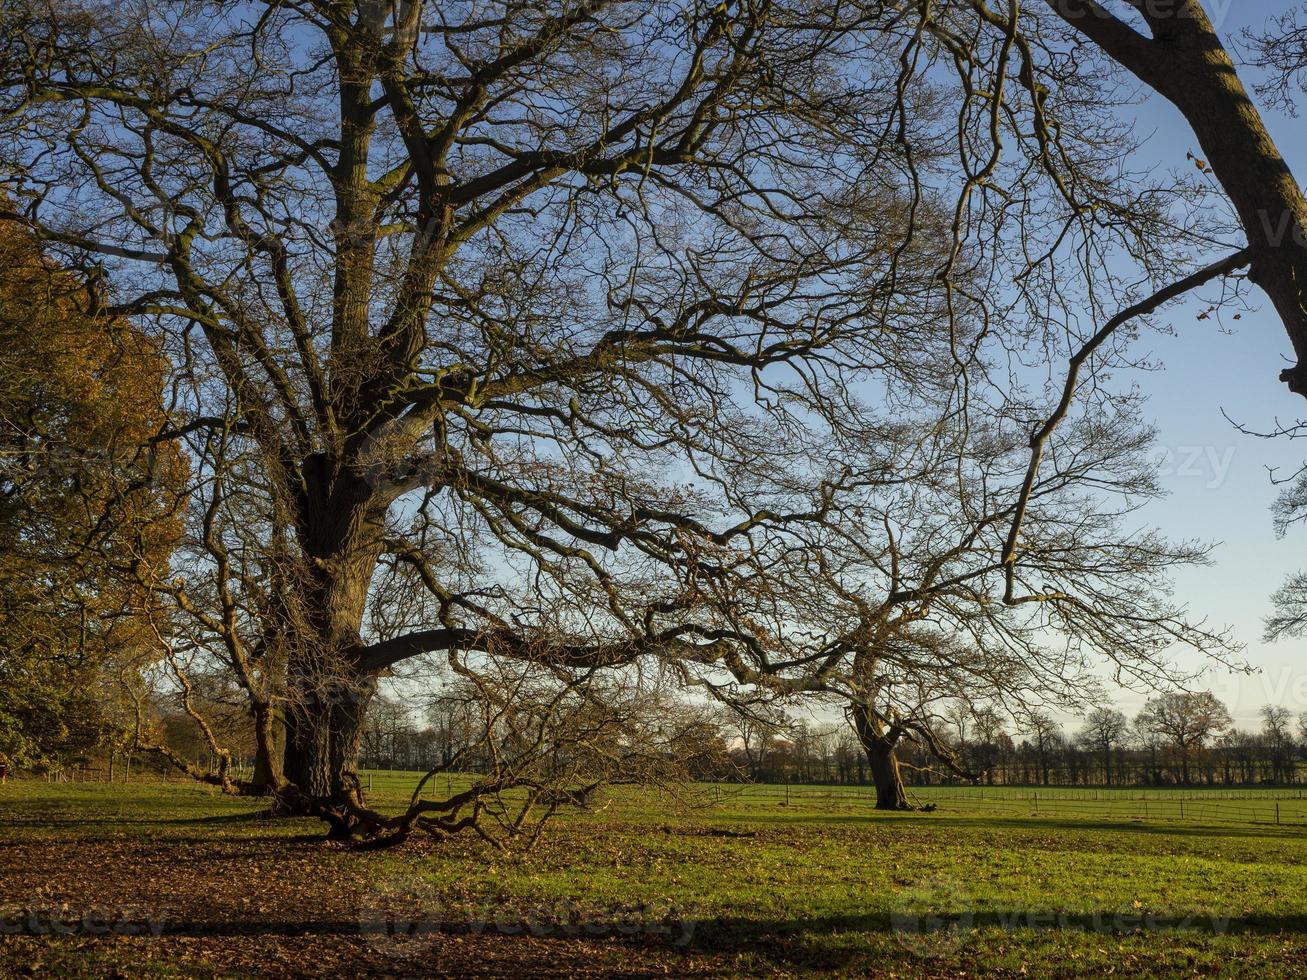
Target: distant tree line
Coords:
[[1179, 738]]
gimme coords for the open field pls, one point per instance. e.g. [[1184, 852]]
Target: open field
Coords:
[[753, 884], [1281, 806]]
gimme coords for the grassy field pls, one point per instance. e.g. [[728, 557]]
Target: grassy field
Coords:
[[170, 880], [1286, 807]]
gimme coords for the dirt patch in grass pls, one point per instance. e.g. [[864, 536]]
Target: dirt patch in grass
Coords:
[[277, 907]]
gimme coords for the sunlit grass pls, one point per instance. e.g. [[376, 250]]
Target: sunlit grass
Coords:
[[759, 883]]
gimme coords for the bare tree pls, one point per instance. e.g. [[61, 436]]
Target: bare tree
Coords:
[[1175, 50], [897, 611], [1104, 729], [1187, 720], [755, 730], [1289, 618], [488, 329], [1046, 736], [1275, 730], [989, 738], [590, 334], [387, 721]]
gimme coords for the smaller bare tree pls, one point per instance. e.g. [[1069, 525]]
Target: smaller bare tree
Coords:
[[1103, 730], [1275, 730]]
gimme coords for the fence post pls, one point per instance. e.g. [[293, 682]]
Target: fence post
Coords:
[[1036, 802], [1277, 814], [1182, 808]]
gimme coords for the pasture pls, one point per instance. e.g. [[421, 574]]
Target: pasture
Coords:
[[167, 879]]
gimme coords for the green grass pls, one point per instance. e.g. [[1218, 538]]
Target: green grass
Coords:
[[1210, 805], [756, 883]]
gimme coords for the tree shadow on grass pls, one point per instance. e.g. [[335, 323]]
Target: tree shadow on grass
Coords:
[[812, 942], [1160, 828], [65, 822]]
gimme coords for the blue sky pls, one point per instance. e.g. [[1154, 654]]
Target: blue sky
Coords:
[[1220, 489]]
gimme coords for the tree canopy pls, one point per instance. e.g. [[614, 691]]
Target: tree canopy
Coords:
[[597, 335]]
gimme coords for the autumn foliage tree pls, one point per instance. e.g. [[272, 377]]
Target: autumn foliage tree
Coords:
[[84, 502]]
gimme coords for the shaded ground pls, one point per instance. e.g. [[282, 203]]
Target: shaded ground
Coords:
[[221, 897], [173, 881]]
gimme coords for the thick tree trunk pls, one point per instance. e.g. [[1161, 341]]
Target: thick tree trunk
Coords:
[[890, 794], [328, 693], [1186, 63], [879, 742], [322, 738], [323, 732]]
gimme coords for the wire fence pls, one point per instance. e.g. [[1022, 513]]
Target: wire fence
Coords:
[[1245, 805], [1286, 806], [131, 771]]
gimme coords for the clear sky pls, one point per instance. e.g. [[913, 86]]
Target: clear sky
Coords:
[[1220, 489]]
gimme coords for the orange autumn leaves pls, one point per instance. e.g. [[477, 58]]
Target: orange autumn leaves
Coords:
[[90, 502]]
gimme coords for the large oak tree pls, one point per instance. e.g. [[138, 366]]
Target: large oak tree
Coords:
[[585, 334]]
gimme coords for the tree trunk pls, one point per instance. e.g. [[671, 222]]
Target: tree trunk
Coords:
[[879, 742], [323, 732], [1186, 63], [890, 794], [270, 748], [341, 523]]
